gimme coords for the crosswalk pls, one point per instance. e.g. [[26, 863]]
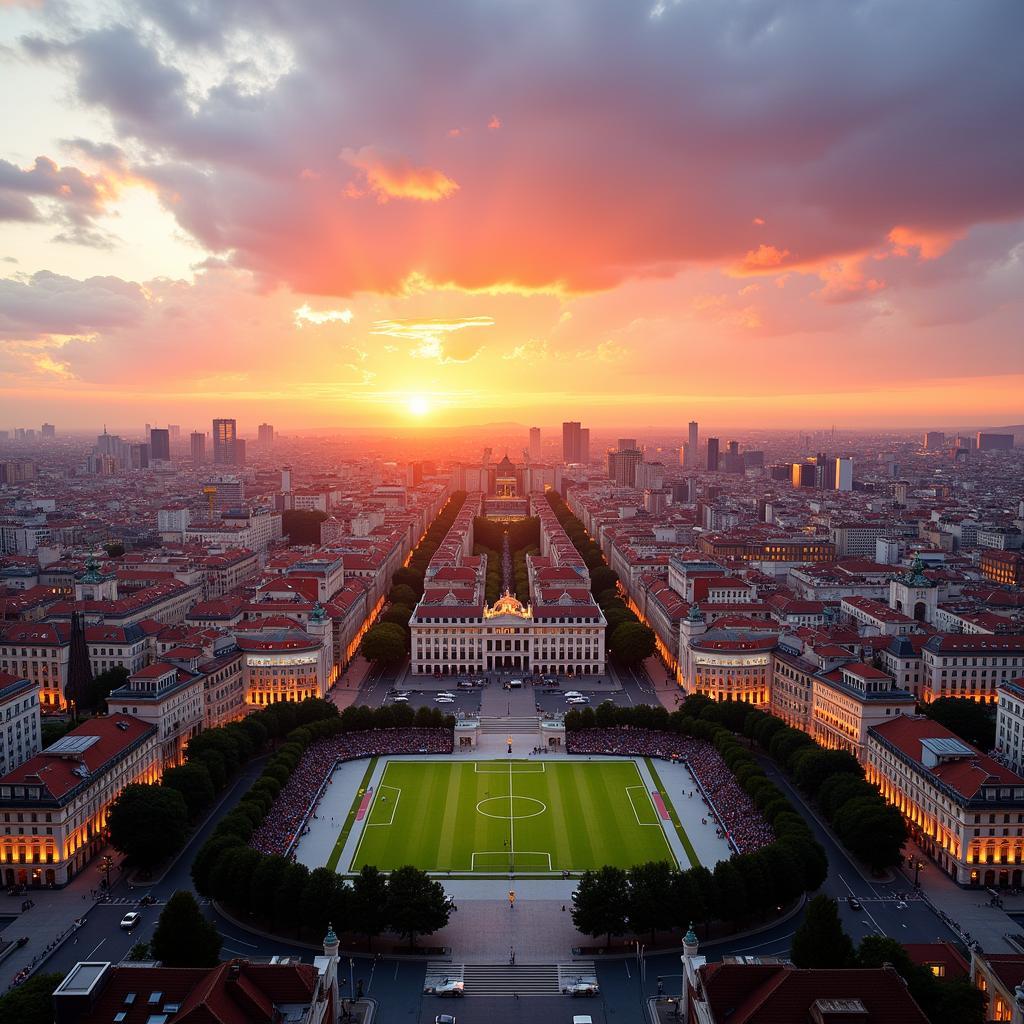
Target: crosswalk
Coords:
[[507, 980], [133, 901]]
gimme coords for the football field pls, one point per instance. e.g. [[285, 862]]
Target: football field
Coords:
[[493, 817]]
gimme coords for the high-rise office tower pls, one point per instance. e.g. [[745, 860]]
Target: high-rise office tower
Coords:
[[535, 444], [843, 480], [49, 431], [286, 478], [734, 448], [934, 440], [198, 448], [584, 445], [225, 443], [174, 429], [622, 466], [240, 452], [266, 435], [693, 438], [712, 454], [570, 441], [627, 444], [160, 445]]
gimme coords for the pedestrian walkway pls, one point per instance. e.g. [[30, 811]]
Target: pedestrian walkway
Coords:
[[967, 910], [51, 920]]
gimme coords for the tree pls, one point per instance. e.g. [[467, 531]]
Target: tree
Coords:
[[114, 549], [650, 905], [32, 1002], [100, 687], [398, 614], [317, 902], [820, 941], [417, 905], [183, 937], [140, 951], [632, 642], [602, 578], [402, 595], [872, 830], [601, 903], [148, 823], [969, 719], [407, 577], [384, 644], [193, 782], [369, 903]]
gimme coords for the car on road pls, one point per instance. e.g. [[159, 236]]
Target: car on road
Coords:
[[446, 693], [130, 920], [577, 700], [573, 693], [399, 700], [444, 1018], [444, 700], [582, 1018], [450, 988], [515, 683], [582, 988], [853, 903]]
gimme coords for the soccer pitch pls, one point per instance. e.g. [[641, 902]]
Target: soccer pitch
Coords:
[[491, 817]]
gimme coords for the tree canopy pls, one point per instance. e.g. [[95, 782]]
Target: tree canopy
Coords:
[[183, 937], [147, 823], [416, 905], [384, 643], [820, 941], [632, 642], [969, 719]]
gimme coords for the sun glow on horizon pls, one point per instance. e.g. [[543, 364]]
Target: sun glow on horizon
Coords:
[[418, 405]]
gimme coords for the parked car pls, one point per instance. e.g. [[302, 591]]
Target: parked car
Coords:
[[400, 700], [130, 920], [445, 693], [444, 700], [577, 700], [573, 693]]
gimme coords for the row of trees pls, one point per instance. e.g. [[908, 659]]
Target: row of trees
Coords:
[[629, 640], [150, 822], [821, 943], [281, 894], [387, 641]]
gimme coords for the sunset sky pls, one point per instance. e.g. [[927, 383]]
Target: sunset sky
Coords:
[[752, 212]]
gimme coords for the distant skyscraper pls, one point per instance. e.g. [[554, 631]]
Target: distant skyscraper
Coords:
[[712, 454], [198, 448], [622, 466], [693, 438], [225, 443], [934, 440], [994, 442], [174, 429], [239, 452], [627, 444], [804, 474], [160, 445], [535, 444], [49, 431], [734, 448], [570, 442], [843, 475], [584, 445], [266, 435], [286, 477]]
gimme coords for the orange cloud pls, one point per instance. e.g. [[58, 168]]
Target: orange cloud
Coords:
[[495, 123], [393, 176], [845, 280], [763, 258], [930, 245], [759, 221]]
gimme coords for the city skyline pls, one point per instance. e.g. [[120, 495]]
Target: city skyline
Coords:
[[748, 215]]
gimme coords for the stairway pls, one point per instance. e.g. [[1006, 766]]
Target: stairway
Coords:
[[508, 980], [516, 725]]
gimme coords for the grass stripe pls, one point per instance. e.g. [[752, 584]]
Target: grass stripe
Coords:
[[680, 831], [332, 861]]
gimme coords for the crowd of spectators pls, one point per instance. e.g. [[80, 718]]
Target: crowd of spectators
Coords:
[[301, 795], [739, 820]]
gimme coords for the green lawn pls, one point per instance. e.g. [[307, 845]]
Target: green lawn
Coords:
[[455, 816]]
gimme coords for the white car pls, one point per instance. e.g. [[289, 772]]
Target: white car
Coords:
[[446, 693], [582, 1018], [444, 700], [450, 988], [577, 700], [573, 693], [400, 700], [130, 920]]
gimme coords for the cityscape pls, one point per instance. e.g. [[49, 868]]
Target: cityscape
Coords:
[[511, 513]]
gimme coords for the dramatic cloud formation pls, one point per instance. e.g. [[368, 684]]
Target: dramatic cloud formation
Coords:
[[647, 201]]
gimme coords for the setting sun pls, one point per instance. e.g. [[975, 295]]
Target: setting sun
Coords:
[[418, 405]]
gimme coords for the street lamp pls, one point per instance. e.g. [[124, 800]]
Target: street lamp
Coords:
[[917, 871], [106, 863]]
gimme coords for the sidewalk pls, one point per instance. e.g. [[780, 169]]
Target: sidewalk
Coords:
[[52, 918], [968, 908], [665, 686]]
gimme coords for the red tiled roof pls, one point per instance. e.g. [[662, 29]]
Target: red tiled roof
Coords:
[[54, 772], [782, 994]]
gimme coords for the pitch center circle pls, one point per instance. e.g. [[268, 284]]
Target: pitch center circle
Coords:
[[505, 804]]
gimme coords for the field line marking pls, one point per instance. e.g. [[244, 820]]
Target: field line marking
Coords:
[[394, 806], [632, 804], [363, 834], [511, 824]]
